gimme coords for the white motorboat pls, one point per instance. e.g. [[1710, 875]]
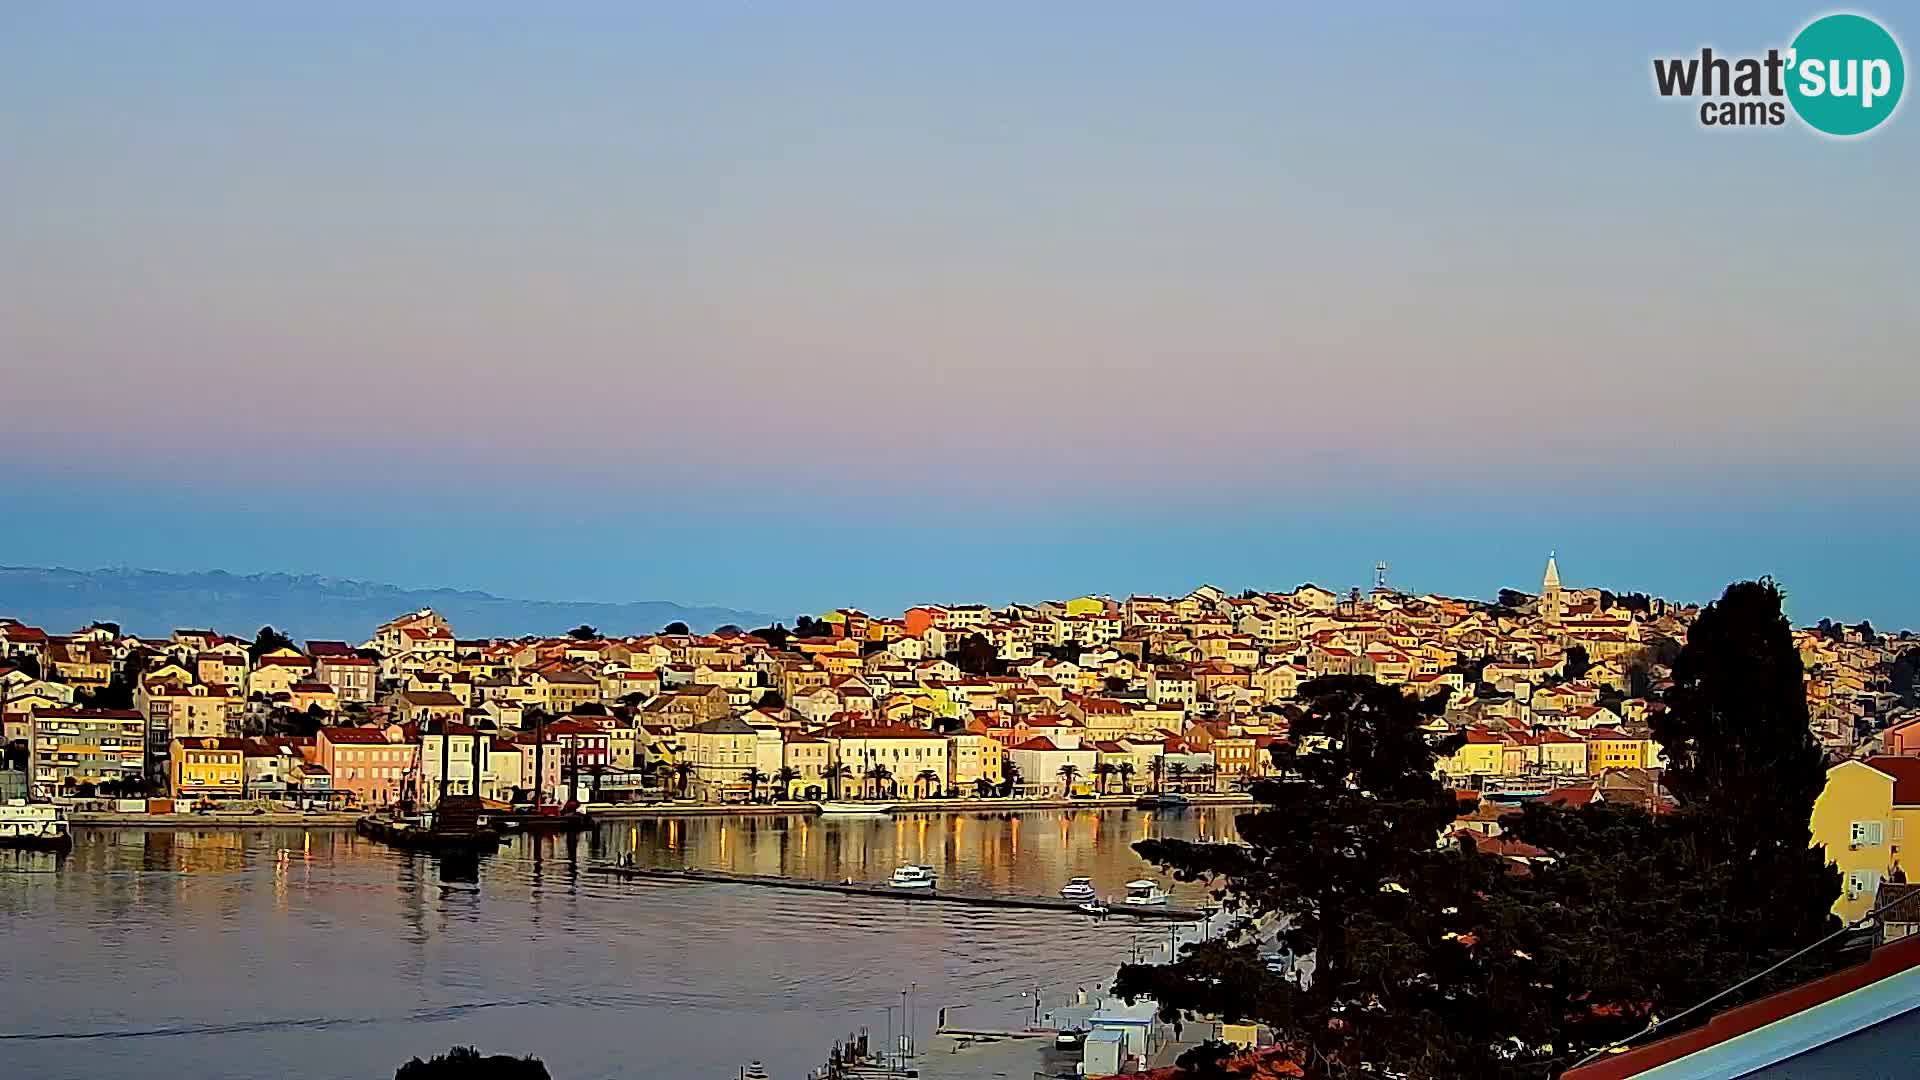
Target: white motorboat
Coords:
[[34, 826], [1145, 894], [912, 877], [1080, 889], [867, 809]]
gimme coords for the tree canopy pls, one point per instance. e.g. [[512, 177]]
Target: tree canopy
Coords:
[[266, 641], [1577, 662], [467, 1063], [976, 656], [1435, 961], [583, 632], [676, 628], [1340, 854]]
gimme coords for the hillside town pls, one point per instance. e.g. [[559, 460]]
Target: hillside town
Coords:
[[1080, 697]]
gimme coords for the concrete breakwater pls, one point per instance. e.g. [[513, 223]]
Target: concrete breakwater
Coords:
[[887, 892]]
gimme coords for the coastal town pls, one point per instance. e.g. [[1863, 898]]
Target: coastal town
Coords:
[[1551, 696], [1080, 698]]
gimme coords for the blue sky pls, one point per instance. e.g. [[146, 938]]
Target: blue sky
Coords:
[[877, 304]]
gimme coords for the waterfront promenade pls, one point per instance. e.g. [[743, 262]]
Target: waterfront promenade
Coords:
[[82, 819]]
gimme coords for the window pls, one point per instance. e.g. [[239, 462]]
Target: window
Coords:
[[1862, 883], [1866, 834]]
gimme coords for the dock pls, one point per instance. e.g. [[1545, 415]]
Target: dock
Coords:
[[886, 892]]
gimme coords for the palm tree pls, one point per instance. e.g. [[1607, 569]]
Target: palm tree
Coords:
[[1205, 772], [983, 787], [1125, 769], [1158, 767], [682, 774], [1010, 774], [1243, 781], [1176, 771], [1067, 774], [837, 772], [1101, 771], [929, 782], [784, 776], [879, 775], [754, 779]]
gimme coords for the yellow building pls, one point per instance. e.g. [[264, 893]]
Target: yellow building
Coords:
[[1484, 754], [1086, 605], [971, 757], [210, 768], [1862, 817], [1610, 749]]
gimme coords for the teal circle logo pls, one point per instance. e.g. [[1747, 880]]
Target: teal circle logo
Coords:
[[1845, 74]]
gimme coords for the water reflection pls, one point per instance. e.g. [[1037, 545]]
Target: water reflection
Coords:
[[319, 953]]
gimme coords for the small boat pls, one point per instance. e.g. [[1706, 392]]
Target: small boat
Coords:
[[912, 877], [1169, 800], [1079, 889], [454, 825], [34, 827], [753, 1071], [1096, 909], [866, 809], [1144, 894]]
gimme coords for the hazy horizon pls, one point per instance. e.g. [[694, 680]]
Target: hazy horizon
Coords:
[[871, 305]]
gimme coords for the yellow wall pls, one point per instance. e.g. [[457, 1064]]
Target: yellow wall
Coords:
[[1855, 791], [1086, 605]]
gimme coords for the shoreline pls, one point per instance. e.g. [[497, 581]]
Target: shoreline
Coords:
[[910, 806], [624, 812]]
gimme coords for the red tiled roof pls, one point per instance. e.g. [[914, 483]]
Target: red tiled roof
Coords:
[[358, 735], [1906, 777]]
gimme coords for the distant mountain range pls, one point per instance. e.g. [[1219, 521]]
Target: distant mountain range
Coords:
[[150, 602]]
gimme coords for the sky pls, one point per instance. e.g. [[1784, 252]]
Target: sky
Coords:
[[792, 306]]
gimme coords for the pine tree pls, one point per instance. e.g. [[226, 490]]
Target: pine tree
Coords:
[[1642, 915], [1342, 856], [1745, 767]]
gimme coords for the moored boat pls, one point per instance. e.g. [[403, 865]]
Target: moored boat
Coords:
[[912, 877], [34, 827], [1080, 889], [862, 808], [454, 825], [1145, 894]]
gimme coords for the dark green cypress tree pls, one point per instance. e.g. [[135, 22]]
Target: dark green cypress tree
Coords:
[[1342, 856], [1745, 767]]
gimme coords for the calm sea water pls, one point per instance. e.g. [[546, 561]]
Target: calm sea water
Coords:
[[295, 953]]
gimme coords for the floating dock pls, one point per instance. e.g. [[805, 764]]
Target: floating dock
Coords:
[[1039, 903]]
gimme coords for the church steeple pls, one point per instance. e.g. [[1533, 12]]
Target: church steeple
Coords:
[[1550, 592]]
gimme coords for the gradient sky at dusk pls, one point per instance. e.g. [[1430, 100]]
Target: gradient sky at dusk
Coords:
[[787, 306]]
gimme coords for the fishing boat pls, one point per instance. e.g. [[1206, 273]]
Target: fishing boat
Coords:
[[912, 877], [34, 827], [1080, 889], [864, 809], [1145, 894], [453, 826]]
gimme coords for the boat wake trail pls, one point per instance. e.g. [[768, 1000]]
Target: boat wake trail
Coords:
[[242, 1027]]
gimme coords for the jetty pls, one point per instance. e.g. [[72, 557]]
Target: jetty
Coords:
[[886, 892]]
